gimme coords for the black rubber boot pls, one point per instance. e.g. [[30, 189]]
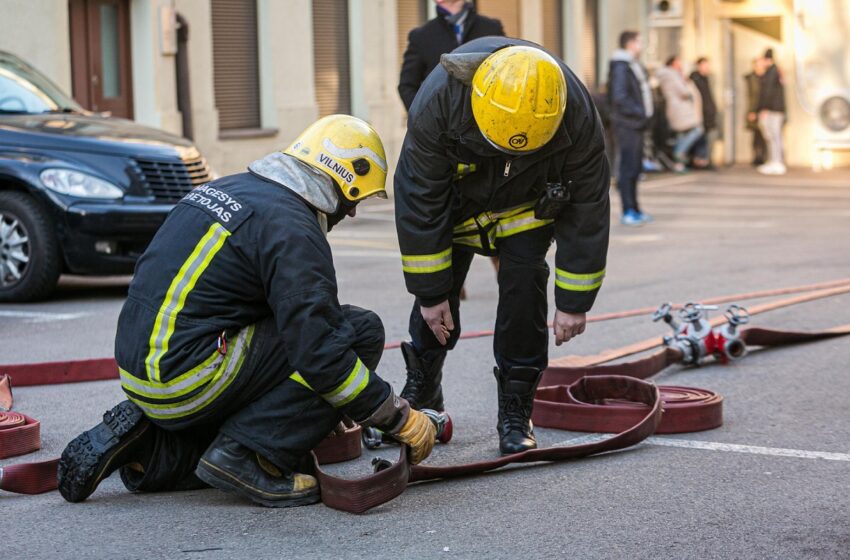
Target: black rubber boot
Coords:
[[516, 397], [232, 467], [122, 438], [424, 375]]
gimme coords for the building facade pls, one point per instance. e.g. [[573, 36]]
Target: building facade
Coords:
[[243, 77]]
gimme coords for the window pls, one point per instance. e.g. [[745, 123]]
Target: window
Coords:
[[236, 69], [330, 48]]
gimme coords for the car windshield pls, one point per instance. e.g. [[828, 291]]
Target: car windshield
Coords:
[[24, 90]]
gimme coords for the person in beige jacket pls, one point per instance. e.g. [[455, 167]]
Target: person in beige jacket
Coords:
[[683, 111]]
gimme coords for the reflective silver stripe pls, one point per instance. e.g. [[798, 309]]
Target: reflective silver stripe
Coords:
[[427, 263], [578, 282], [352, 153], [351, 388], [164, 389], [209, 393], [507, 228], [175, 298]]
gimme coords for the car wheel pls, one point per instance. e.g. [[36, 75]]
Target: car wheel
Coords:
[[29, 253]]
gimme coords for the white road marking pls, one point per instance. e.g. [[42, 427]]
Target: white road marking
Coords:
[[717, 446], [635, 239], [42, 316], [366, 253], [715, 191], [752, 449], [365, 243]]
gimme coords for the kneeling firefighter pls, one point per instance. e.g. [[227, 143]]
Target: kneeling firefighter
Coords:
[[234, 352], [496, 161]]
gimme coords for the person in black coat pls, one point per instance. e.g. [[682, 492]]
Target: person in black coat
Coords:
[[709, 108], [456, 23], [630, 102], [771, 115]]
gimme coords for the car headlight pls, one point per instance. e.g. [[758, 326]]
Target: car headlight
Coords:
[[835, 113], [75, 183]]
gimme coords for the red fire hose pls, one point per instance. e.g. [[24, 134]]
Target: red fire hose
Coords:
[[576, 394]]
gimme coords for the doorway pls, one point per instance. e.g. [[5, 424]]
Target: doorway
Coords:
[[100, 55], [746, 38]]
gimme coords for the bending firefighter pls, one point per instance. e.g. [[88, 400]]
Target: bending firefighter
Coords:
[[497, 161], [235, 354]]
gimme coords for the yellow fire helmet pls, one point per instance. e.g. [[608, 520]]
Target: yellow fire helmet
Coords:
[[347, 149], [519, 95]]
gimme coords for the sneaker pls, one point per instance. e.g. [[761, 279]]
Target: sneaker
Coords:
[[632, 218], [645, 218], [772, 168], [680, 167]]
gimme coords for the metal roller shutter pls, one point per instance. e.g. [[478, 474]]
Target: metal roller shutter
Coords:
[[331, 58], [236, 72], [553, 37], [410, 14], [505, 10]]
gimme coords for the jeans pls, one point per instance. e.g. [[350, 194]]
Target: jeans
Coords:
[[685, 140], [630, 158], [770, 124]]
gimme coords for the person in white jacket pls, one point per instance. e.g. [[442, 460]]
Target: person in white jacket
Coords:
[[683, 112]]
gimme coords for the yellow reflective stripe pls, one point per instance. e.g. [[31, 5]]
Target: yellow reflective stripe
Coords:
[[423, 264], [222, 379], [175, 297], [578, 282], [519, 223], [347, 391], [470, 240], [297, 377], [185, 383]]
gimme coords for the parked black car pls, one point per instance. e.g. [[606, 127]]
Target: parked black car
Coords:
[[80, 193]]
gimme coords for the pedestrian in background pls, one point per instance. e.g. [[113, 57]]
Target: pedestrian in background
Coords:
[[753, 82], [631, 108], [771, 115], [682, 111], [456, 23], [699, 77]]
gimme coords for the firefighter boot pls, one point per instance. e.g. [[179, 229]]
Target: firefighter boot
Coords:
[[516, 397], [424, 375], [232, 467], [124, 437]]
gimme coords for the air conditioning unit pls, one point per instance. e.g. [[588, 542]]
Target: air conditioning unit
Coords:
[[832, 127], [666, 13], [833, 120]]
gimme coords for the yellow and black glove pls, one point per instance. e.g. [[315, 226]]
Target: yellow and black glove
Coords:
[[419, 433], [395, 417]]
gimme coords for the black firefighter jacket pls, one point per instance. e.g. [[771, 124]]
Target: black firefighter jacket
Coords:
[[231, 253], [431, 196], [426, 43], [625, 98]]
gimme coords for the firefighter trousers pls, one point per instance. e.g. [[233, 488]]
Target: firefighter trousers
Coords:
[[521, 337], [264, 410]]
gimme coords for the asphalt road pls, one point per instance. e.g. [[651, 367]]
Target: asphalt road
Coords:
[[733, 492]]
